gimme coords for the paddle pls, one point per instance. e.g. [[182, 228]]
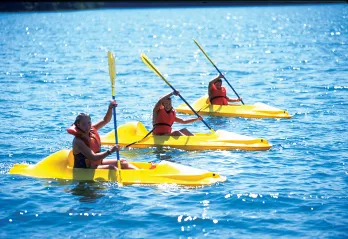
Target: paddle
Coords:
[[217, 68], [112, 73], [128, 145], [147, 62]]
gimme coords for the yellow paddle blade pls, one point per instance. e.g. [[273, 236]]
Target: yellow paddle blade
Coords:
[[112, 71], [199, 46], [149, 64]]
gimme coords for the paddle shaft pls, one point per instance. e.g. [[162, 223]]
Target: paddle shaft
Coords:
[[190, 107], [150, 64], [115, 127], [217, 69], [141, 139], [112, 73]]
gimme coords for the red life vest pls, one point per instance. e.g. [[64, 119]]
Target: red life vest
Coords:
[[218, 97], [93, 141], [164, 121]]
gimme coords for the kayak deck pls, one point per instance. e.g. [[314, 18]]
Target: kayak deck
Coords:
[[59, 165], [221, 140], [258, 110]]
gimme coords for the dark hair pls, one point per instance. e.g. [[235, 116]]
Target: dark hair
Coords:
[[219, 80], [80, 116]]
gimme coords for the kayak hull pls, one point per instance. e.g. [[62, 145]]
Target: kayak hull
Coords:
[[258, 110], [221, 140], [59, 165]]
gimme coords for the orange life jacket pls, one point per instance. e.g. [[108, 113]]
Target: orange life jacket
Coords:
[[164, 121], [93, 141], [218, 97]]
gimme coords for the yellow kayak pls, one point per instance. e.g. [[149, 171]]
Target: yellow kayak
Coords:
[[59, 165], [257, 110], [221, 139]]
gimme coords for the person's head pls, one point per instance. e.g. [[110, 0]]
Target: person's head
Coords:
[[218, 84], [83, 122], [167, 103]]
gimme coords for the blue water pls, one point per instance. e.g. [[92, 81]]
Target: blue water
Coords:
[[54, 65]]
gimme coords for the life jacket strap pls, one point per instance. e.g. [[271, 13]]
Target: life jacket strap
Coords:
[[211, 99], [170, 125]]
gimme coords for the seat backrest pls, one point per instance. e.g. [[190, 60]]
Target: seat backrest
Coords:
[[201, 102], [71, 159], [141, 130]]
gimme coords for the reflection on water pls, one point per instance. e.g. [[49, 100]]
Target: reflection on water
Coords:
[[154, 154], [87, 191], [162, 153]]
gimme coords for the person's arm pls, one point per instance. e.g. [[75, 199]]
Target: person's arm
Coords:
[[159, 103], [157, 107], [188, 121], [212, 82], [107, 116], [88, 153], [233, 100]]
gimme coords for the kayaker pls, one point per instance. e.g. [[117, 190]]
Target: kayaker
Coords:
[[217, 93], [164, 116], [86, 144]]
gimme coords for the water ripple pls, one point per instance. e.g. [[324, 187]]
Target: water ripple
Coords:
[[290, 57]]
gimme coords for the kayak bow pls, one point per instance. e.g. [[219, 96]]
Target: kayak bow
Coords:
[[258, 110], [220, 140], [59, 165]]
